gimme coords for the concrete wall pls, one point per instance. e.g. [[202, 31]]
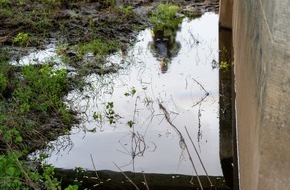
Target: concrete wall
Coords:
[[225, 12], [261, 40]]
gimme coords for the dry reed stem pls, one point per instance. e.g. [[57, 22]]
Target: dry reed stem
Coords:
[[167, 117], [211, 184], [127, 177], [95, 168]]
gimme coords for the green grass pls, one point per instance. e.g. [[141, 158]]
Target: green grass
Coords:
[[98, 47], [164, 15], [30, 97], [5, 3], [164, 21]]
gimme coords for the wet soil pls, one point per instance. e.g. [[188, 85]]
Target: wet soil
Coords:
[[75, 22]]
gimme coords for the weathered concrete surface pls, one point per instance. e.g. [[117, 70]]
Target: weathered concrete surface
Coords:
[[261, 41], [225, 13]]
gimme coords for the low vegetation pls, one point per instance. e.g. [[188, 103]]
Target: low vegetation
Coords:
[[165, 21], [32, 113]]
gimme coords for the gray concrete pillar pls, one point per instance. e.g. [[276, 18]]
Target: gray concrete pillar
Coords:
[[225, 13], [262, 55]]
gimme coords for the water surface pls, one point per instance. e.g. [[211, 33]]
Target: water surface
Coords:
[[158, 89]]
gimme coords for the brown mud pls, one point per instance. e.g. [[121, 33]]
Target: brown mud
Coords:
[[76, 21]]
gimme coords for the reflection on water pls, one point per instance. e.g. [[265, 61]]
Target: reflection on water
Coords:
[[164, 45], [137, 118]]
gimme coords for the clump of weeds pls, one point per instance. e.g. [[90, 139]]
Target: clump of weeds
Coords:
[[126, 10], [165, 15], [32, 113], [32, 103], [98, 47], [22, 39], [165, 21], [90, 57]]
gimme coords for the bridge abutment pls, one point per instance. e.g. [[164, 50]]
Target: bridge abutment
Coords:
[[261, 41]]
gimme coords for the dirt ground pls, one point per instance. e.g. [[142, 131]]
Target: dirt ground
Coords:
[[78, 21]]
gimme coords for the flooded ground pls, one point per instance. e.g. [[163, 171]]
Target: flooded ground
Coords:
[[137, 118]]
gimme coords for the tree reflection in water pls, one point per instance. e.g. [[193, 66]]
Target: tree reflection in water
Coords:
[[164, 46]]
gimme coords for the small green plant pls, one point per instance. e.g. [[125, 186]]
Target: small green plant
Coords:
[[126, 10], [110, 113], [130, 123], [97, 116], [14, 174], [72, 187], [164, 15], [21, 3], [3, 82], [165, 22], [108, 3], [98, 47], [225, 66], [22, 39], [43, 91], [5, 3], [132, 92]]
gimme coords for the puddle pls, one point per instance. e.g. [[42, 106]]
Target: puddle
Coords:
[[36, 56], [160, 90], [47, 55]]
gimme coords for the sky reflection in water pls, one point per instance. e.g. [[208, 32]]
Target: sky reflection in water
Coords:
[[155, 147]]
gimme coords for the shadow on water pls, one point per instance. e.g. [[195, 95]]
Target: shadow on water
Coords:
[[129, 180], [165, 122], [228, 150]]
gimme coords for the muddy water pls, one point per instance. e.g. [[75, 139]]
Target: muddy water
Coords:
[[160, 90]]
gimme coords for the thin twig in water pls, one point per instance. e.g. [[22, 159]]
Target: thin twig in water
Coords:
[[95, 168], [138, 147], [211, 184], [146, 183], [205, 95], [182, 141], [199, 134], [126, 177]]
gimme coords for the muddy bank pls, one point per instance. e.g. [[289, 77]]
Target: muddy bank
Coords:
[[80, 21], [121, 180]]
